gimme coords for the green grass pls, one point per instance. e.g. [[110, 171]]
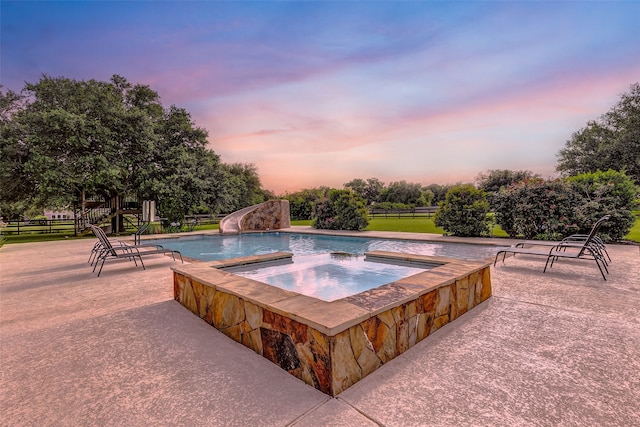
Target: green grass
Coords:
[[45, 237], [634, 233], [37, 237], [206, 227], [407, 225], [417, 225]]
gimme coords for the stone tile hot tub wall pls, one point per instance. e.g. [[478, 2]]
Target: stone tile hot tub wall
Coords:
[[332, 345]]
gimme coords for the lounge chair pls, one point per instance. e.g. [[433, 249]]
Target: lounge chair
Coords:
[[585, 249], [131, 252], [597, 242], [99, 246]]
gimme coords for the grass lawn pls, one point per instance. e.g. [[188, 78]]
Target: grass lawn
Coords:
[[634, 233], [206, 227], [407, 225], [410, 225], [426, 225], [37, 237]]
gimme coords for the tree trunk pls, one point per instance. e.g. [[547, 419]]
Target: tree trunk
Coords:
[[83, 211], [117, 222]]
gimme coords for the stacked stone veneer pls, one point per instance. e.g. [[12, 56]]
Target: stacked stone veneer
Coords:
[[270, 215], [331, 345]]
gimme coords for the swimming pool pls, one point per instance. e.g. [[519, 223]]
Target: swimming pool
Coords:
[[212, 248], [329, 276]]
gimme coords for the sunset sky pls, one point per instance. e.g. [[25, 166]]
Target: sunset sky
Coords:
[[318, 93]]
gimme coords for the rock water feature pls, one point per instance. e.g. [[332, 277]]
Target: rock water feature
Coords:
[[332, 345]]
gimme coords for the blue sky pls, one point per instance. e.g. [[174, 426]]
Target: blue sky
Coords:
[[319, 93]]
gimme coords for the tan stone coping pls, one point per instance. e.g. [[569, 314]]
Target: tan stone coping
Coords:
[[333, 317]]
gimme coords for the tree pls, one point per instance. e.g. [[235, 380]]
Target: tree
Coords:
[[611, 142], [493, 180], [426, 198], [16, 186], [403, 192], [369, 190], [301, 203], [439, 192], [341, 210], [183, 175], [358, 186], [90, 137], [112, 139], [245, 184], [71, 135], [463, 212]]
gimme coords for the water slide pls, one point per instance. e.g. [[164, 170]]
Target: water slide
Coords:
[[230, 224], [270, 215]]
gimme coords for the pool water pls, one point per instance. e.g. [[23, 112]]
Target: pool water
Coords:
[[212, 248], [328, 276], [315, 269]]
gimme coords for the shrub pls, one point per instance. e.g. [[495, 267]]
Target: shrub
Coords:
[[605, 193], [341, 210], [536, 208], [555, 209], [300, 208], [301, 203], [463, 212]]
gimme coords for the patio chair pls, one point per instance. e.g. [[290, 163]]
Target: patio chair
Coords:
[[130, 252], [581, 250], [597, 242], [99, 246]]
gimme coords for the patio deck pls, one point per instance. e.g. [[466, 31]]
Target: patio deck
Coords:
[[561, 348]]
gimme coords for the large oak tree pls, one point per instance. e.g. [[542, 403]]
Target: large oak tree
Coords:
[[64, 140], [610, 142]]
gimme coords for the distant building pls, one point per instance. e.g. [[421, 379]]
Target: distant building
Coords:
[[58, 214]]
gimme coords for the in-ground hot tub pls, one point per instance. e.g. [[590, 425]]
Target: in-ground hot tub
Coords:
[[332, 345], [330, 276]]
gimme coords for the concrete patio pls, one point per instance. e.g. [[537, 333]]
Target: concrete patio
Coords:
[[560, 348]]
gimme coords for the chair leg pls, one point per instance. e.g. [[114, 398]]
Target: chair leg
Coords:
[[96, 261], [93, 251], [601, 272], [605, 265], [101, 265], [133, 258]]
